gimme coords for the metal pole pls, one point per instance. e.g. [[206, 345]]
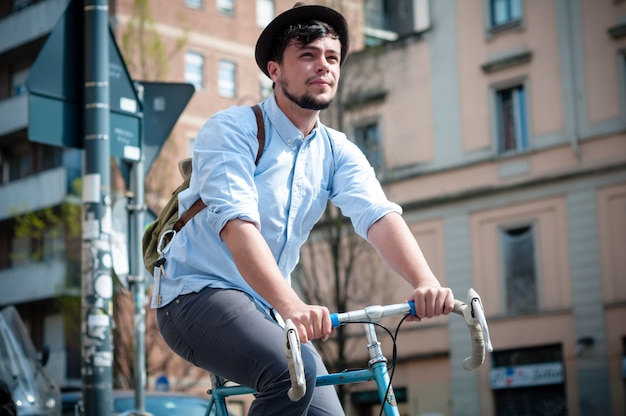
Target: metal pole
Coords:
[[97, 282], [137, 274]]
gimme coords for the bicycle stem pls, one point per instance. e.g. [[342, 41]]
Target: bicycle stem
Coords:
[[374, 350]]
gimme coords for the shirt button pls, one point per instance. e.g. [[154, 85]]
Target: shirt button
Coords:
[[288, 141]]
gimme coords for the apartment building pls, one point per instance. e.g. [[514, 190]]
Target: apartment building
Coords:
[[35, 269], [498, 125], [500, 128], [208, 43]]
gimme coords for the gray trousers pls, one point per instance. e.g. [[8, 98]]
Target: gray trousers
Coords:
[[225, 332]]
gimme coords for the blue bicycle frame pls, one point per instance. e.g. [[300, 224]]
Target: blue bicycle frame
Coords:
[[472, 311], [377, 371]]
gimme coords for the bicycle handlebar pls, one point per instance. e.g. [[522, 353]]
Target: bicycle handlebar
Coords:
[[472, 311], [474, 316], [294, 358]]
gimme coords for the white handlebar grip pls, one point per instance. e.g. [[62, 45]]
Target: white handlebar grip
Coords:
[[477, 325], [294, 360]]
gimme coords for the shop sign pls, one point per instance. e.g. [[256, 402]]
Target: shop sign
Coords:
[[527, 375]]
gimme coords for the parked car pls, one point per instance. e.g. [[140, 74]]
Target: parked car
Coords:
[[26, 388], [156, 403]]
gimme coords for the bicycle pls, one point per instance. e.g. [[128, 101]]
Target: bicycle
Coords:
[[377, 370]]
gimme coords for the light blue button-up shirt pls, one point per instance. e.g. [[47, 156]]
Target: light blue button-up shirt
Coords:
[[284, 195]]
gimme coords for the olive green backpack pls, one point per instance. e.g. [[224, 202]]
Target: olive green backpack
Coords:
[[158, 234]]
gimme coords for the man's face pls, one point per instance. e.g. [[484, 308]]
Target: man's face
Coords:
[[309, 73]]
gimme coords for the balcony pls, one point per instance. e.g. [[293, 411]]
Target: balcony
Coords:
[[34, 281], [29, 24], [13, 114], [42, 190]]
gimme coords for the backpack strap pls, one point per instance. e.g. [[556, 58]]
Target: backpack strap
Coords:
[[199, 205], [260, 134]]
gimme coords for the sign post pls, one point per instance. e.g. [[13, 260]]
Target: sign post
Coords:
[[81, 96], [162, 105], [97, 280]]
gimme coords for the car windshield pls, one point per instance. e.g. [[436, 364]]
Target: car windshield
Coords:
[[166, 405]]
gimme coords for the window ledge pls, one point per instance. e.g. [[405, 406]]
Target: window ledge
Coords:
[[513, 24], [359, 100], [503, 62], [617, 32]]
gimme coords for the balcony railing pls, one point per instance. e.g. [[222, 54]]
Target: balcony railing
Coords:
[[33, 281], [29, 23], [45, 189]]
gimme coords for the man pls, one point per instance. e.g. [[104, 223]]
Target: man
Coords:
[[227, 272]]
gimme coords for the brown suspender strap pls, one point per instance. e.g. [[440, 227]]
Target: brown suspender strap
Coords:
[[199, 205]]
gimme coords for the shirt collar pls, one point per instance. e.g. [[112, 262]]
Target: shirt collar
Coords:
[[287, 131]]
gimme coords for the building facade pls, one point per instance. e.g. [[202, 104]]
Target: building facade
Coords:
[[498, 125], [500, 128]]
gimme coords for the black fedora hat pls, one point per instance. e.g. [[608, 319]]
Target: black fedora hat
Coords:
[[300, 12]]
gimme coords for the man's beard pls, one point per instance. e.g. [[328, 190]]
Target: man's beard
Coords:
[[306, 101]]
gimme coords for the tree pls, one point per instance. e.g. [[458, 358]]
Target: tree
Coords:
[[147, 58], [54, 233], [160, 359], [144, 52], [340, 270]]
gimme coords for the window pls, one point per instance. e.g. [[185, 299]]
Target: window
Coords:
[[386, 20], [529, 381], [266, 85], [512, 124], [194, 4], [18, 82], [5, 244], [20, 161], [367, 402], [226, 7], [226, 82], [505, 11], [194, 69], [379, 25], [624, 358], [264, 12], [520, 280], [20, 251], [368, 139], [53, 243]]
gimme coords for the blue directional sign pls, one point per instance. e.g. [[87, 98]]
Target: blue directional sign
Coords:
[[163, 102], [55, 85]]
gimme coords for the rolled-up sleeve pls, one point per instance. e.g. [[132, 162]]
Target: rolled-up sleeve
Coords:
[[223, 163], [356, 190]]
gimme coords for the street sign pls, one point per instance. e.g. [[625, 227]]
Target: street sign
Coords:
[[55, 85], [163, 102], [119, 241]]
